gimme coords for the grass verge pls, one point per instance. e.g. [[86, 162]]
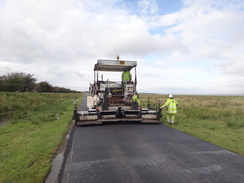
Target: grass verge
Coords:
[[30, 138]]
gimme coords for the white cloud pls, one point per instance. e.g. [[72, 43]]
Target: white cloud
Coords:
[[148, 6], [59, 42]]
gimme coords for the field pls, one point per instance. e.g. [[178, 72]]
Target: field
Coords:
[[216, 119], [32, 125]]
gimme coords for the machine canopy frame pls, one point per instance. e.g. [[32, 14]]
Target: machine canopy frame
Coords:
[[114, 65]]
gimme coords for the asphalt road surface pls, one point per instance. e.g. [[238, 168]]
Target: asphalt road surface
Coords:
[[124, 153]]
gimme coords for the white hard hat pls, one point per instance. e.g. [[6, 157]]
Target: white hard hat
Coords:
[[171, 96]]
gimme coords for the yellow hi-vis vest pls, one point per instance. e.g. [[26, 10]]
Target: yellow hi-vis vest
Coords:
[[126, 76], [135, 98], [171, 105]]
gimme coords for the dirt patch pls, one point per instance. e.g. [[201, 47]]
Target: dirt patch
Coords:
[[4, 120]]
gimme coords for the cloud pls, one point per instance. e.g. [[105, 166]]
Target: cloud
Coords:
[[60, 41], [211, 32], [62, 31], [148, 6]]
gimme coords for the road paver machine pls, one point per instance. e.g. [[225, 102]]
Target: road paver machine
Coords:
[[112, 101]]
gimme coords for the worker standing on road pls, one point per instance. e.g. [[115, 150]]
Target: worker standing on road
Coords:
[[126, 76], [171, 109]]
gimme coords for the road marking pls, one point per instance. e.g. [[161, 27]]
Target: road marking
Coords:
[[147, 161], [131, 161], [87, 164], [203, 170], [215, 152]]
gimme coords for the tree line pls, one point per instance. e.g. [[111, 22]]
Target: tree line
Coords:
[[23, 82]]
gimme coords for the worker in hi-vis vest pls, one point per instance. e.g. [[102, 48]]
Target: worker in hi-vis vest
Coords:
[[126, 76], [135, 101], [135, 98], [171, 109]]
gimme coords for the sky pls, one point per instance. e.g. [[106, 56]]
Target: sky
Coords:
[[181, 46]]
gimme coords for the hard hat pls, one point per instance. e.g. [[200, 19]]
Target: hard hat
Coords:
[[171, 96]]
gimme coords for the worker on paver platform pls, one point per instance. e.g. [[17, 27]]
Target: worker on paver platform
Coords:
[[171, 109], [126, 76], [135, 100]]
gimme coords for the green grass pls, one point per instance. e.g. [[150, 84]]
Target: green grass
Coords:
[[36, 126], [216, 119]]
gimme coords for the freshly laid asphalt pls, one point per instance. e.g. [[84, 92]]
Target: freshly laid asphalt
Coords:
[[122, 153]]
